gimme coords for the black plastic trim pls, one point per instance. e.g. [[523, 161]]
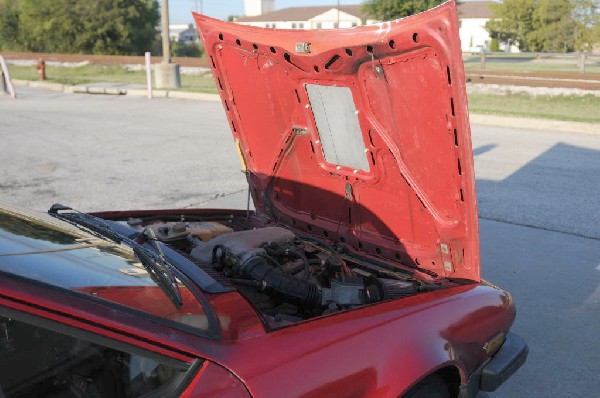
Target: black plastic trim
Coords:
[[196, 274], [511, 356]]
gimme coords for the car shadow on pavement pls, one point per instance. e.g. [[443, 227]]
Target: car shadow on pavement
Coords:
[[540, 240], [480, 150]]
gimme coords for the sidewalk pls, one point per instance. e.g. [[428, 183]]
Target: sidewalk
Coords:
[[139, 90], [534, 124]]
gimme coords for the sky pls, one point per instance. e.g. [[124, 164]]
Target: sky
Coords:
[[180, 10]]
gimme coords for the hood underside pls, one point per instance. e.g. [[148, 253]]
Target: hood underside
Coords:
[[358, 135]]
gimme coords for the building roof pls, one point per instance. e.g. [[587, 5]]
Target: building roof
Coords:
[[466, 9], [475, 9], [302, 13]]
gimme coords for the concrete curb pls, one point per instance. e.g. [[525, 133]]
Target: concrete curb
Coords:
[[475, 118], [69, 89], [97, 90], [535, 124]]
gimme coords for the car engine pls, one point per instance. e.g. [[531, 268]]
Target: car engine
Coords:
[[287, 277]]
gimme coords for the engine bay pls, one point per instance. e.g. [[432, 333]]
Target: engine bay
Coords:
[[286, 276]]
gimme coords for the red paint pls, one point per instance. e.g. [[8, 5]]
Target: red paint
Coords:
[[415, 204], [413, 207], [390, 345]]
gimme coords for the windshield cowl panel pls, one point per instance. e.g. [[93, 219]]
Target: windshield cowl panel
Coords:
[[150, 299]]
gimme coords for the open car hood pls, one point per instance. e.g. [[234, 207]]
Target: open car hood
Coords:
[[358, 135]]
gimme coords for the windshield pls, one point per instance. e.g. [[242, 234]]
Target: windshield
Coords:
[[57, 255]]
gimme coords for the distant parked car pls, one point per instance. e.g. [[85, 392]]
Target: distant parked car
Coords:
[[475, 50], [358, 275]]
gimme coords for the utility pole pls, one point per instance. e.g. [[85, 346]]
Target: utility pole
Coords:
[[166, 74], [166, 40], [338, 14], [201, 6]]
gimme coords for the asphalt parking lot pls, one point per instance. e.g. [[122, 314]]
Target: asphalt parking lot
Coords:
[[538, 193]]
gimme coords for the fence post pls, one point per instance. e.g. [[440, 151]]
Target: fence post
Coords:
[[9, 85], [148, 73], [482, 59], [2, 83], [581, 62]]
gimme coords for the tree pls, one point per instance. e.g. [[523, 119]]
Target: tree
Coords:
[[546, 25], [512, 22], [554, 27], [86, 26], [183, 49], [9, 25], [494, 45], [587, 14], [387, 10]]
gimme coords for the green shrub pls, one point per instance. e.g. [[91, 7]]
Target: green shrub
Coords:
[[181, 49], [494, 45]]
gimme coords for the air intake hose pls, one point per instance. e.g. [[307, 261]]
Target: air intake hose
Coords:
[[264, 269]]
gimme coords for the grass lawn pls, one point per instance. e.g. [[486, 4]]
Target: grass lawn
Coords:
[[96, 73], [577, 108], [529, 64]]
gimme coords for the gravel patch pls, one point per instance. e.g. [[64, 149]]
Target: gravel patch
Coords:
[[501, 89]]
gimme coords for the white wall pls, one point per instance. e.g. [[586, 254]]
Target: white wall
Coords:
[[258, 7], [472, 33], [329, 18]]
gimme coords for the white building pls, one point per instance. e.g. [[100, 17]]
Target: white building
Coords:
[[315, 17], [258, 7], [183, 33], [472, 15]]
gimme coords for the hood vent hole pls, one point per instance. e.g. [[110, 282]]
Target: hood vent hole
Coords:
[[332, 61]]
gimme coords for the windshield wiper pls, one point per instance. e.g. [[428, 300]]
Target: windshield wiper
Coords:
[[157, 266]]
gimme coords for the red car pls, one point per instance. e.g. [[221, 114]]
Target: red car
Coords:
[[358, 274]]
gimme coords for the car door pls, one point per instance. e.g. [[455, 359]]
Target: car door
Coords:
[[47, 357]]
